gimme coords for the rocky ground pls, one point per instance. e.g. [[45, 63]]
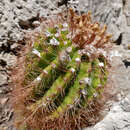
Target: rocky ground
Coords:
[[20, 16]]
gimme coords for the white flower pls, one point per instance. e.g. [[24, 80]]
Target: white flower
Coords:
[[79, 52], [84, 92], [64, 29], [53, 65], [101, 64], [57, 35], [65, 42], [99, 85], [48, 34], [36, 52], [48, 99], [72, 70], [87, 81], [38, 78], [65, 25], [77, 60], [88, 54], [95, 94], [68, 35], [69, 49], [53, 41]]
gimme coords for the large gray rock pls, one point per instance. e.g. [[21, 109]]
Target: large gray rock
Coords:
[[117, 119]]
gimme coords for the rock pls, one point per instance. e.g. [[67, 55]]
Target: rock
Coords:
[[3, 101], [126, 38], [125, 104], [5, 115], [116, 119], [127, 11], [9, 59], [14, 46], [120, 72], [5, 89], [3, 78]]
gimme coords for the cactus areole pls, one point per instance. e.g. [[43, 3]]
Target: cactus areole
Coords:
[[66, 71]]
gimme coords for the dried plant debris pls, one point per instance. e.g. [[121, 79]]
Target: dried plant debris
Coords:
[[65, 73]]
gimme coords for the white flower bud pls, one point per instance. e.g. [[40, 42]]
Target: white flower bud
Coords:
[[77, 60], [38, 78], [88, 54], [65, 25], [53, 41], [64, 29], [101, 64], [79, 52], [99, 85], [84, 92], [36, 52], [57, 35], [65, 42], [72, 70], [48, 34], [87, 81], [69, 49], [68, 35], [95, 94], [53, 65], [48, 99]]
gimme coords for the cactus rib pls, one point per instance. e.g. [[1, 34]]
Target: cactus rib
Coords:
[[60, 84]]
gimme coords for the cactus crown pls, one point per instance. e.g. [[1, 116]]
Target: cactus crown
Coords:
[[65, 73]]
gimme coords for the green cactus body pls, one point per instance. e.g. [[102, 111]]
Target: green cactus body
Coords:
[[60, 83], [74, 93], [64, 77], [48, 53]]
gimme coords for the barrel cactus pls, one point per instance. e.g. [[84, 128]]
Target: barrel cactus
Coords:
[[66, 70]]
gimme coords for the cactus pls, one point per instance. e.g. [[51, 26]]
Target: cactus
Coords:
[[66, 72]]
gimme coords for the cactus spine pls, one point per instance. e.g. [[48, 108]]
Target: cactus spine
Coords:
[[65, 72]]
